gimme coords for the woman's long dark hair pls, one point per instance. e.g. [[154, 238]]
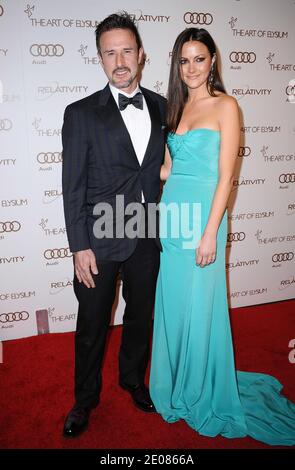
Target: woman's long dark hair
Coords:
[[177, 89]]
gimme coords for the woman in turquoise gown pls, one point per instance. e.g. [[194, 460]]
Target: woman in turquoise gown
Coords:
[[193, 374]]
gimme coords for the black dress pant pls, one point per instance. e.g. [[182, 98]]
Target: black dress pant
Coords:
[[139, 274]]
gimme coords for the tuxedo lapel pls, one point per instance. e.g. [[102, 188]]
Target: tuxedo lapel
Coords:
[[155, 126], [110, 115], [111, 118]]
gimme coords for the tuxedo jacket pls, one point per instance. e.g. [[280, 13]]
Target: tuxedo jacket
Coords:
[[99, 163]]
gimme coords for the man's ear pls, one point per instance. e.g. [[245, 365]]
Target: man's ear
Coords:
[[99, 59], [140, 55]]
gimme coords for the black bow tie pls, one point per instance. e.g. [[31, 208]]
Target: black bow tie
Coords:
[[136, 100]]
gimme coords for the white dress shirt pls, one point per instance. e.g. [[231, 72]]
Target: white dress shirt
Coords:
[[137, 121]]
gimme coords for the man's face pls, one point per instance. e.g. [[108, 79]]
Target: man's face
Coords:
[[120, 58]]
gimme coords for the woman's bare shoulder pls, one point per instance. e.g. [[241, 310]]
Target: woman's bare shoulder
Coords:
[[226, 100], [226, 105]]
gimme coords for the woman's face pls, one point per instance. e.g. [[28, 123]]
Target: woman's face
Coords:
[[195, 64]]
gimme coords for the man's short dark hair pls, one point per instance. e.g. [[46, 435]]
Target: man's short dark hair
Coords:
[[121, 20]]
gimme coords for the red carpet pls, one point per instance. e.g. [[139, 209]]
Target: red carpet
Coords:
[[37, 379]]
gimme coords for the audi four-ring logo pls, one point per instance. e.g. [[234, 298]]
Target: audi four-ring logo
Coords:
[[56, 253], [197, 18], [290, 90], [287, 178], [47, 50], [242, 57], [14, 316], [244, 151], [13, 226], [49, 157], [236, 237], [5, 124], [278, 257], [1, 10]]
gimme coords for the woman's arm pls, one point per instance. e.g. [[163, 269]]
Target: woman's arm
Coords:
[[166, 167], [230, 140]]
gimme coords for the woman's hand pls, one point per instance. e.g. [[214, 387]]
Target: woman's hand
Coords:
[[166, 167], [206, 250]]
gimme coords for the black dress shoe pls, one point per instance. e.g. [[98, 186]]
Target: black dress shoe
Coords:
[[77, 421], [141, 397]]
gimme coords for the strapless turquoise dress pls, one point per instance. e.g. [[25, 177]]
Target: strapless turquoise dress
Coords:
[[193, 374]]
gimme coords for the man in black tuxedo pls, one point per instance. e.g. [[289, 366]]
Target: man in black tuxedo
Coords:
[[113, 145]]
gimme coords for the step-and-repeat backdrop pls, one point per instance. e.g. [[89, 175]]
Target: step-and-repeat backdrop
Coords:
[[48, 59]]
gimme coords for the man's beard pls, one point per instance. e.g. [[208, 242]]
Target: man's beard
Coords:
[[127, 83]]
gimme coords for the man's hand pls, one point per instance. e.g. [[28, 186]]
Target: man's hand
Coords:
[[85, 264]]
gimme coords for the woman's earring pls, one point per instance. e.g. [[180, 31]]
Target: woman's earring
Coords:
[[210, 79], [211, 74]]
